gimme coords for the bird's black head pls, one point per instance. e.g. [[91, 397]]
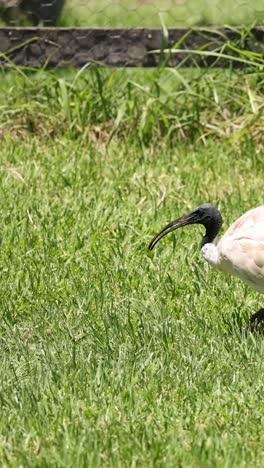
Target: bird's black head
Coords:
[[206, 214]]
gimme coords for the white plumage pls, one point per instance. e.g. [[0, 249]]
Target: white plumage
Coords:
[[239, 252], [241, 249]]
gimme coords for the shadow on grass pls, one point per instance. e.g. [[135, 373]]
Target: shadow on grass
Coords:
[[238, 323]]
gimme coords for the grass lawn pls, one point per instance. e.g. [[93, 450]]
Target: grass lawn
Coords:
[[173, 12], [112, 355], [147, 13]]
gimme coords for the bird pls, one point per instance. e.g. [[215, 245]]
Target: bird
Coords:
[[239, 252]]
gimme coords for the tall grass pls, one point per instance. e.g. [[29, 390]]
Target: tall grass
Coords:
[[163, 105]]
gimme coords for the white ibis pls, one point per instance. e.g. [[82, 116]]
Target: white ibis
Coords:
[[239, 252]]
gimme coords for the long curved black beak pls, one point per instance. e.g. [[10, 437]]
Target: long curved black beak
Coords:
[[190, 218]]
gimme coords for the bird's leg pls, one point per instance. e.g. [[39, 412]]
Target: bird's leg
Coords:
[[256, 319]]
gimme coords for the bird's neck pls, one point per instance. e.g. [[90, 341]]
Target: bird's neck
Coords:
[[211, 254], [208, 239], [211, 232]]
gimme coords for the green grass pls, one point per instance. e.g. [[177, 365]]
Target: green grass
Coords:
[[112, 355], [147, 13], [173, 12]]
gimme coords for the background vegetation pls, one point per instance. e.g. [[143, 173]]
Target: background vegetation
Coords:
[[174, 12], [112, 355]]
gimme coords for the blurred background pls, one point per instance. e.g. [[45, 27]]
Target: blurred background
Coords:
[[131, 13]]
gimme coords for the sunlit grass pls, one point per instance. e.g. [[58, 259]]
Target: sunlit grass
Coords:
[[112, 355], [151, 13], [168, 105], [172, 12]]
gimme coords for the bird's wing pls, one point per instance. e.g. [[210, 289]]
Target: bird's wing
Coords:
[[244, 258], [248, 221], [242, 248]]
